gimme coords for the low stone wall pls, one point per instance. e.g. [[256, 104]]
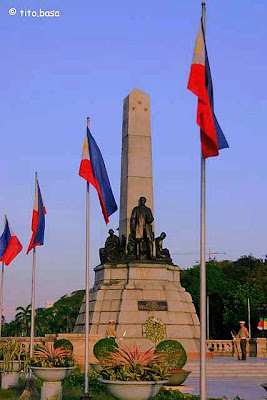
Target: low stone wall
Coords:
[[215, 348], [77, 341], [225, 348], [261, 347], [221, 347]]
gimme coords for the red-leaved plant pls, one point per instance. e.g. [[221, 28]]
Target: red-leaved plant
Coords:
[[49, 352], [126, 364], [124, 355], [50, 357]]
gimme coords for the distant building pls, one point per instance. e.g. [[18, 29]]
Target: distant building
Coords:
[[49, 304]]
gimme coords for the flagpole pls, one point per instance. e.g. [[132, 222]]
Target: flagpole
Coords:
[[2, 296], [87, 288], [249, 323], [203, 315], [33, 295], [33, 303], [208, 318]]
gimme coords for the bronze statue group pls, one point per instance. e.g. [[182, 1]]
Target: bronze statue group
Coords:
[[141, 245]]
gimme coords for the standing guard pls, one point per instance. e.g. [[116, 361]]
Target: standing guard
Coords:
[[243, 336], [111, 330]]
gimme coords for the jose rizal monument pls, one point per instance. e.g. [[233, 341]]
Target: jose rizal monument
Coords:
[[136, 278]]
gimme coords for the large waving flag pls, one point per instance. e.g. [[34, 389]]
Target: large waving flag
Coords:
[[10, 245], [38, 219], [92, 168], [200, 83]]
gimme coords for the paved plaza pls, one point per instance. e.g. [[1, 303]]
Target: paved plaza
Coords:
[[245, 388], [226, 376]]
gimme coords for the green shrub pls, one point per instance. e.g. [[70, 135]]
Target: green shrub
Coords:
[[103, 348], [174, 354], [95, 386], [66, 344], [8, 394], [74, 380]]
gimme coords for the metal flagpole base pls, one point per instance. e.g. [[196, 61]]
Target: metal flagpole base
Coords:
[[86, 396]]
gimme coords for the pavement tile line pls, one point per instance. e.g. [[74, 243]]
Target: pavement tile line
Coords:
[[230, 378], [230, 367]]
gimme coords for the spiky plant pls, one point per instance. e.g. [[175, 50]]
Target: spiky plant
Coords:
[[50, 352], [48, 357], [124, 355], [126, 364]]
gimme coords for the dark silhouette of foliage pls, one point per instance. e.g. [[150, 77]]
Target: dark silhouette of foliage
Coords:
[[60, 318], [229, 285], [23, 318]]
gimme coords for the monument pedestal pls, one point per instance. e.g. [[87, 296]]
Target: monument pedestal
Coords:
[[130, 293]]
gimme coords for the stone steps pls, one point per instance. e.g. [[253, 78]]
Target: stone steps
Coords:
[[238, 369]]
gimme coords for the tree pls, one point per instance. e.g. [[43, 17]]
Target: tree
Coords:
[[44, 319], [236, 304], [229, 285], [67, 310], [248, 269], [60, 318], [23, 317], [12, 328], [65, 318]]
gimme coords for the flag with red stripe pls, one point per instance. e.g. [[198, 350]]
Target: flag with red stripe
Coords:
[[93, 170], [262, 325], [10, 245], [200, 83], [38, 219]]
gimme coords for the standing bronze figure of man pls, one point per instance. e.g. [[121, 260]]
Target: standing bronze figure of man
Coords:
[[141, 228]]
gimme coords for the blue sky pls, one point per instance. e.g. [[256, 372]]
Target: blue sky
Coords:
[[57, 71]]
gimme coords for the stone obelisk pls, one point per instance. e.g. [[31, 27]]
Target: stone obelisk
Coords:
[[136, 160], [133, 287]]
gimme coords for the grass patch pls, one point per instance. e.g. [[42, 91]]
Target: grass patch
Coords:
[[8, 394]]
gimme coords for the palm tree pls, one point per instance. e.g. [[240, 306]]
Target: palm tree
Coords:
[[65, 318], [23, 316], [44, 320]]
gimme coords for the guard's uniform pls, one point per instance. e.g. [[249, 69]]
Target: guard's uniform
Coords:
[[243, 335], [111, 332]]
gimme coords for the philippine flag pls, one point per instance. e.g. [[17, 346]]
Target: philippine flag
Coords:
[[38, 219], [10, 245], [262, 325], [92, 168], [200, 83]]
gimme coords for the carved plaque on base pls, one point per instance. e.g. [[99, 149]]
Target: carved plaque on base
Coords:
[[152, 305]]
